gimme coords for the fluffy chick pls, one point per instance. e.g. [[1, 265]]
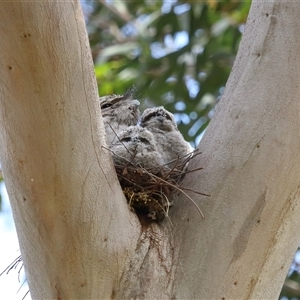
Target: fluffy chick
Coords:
[[169, 141], [136, 145], [118, 112]]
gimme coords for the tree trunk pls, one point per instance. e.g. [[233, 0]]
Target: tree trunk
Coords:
[[72, 219], [79, 239]]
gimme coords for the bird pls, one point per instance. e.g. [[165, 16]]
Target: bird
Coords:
[[136, 146], [119, 112], [169, 141]]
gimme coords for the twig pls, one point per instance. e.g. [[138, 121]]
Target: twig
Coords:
[[25, 295], [121, 157], [118, 138], [196, 192], [13, 265], [176, 187], [189, 171]]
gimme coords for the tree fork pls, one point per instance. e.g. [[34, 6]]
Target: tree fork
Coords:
[[77, 235]]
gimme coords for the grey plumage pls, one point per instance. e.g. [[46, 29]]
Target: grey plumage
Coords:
[[136, 146], [170, 142], [118, 112]]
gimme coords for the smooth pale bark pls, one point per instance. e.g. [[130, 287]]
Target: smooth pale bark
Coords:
[[251, 167], [74, 236], [77, 235]]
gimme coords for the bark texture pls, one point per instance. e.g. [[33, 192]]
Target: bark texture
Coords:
[[77, 236], [251, 159], [60, 181]]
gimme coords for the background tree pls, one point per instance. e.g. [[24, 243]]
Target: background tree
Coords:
[[178, 54], [195, 81]]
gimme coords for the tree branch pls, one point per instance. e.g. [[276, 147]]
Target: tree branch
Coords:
[[71, 216], [243, 247]]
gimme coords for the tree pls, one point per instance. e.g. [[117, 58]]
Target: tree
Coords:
[[77, 235]]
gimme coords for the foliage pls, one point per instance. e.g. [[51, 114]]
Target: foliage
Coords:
[[178, 54]]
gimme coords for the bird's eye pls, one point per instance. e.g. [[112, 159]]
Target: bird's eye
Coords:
[[149, 116], [126, 139], [168, 117], [145, 141], [106, 105]]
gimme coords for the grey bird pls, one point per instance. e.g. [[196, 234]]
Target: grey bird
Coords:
[[170, 142], [136, 146], [118, 112]]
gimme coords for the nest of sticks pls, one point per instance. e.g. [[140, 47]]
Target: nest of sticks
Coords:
[[148, 191]]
